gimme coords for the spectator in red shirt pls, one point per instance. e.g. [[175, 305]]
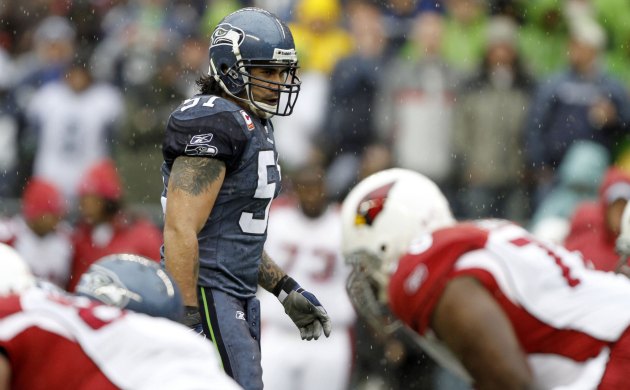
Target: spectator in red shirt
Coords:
[[39, 233], [595, 224], [105, 227]]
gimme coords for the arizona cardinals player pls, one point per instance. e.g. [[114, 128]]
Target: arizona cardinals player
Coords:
[[485, 298], [52, 340]]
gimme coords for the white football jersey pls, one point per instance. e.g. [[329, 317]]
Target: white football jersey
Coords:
[[133, 351], [74, 130], [309, 251], [566, 316]]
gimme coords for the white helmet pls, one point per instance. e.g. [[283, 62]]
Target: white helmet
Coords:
[[15, 275], [383, 214]]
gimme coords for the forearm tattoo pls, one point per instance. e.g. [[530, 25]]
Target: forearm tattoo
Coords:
[[194, 174], [269, 273]]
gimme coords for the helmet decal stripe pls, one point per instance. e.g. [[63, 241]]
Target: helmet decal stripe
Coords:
[[284, 34], [372, 204]]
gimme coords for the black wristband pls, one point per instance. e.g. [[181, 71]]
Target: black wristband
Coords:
[[286, 284], [190, 310], [191, 316]]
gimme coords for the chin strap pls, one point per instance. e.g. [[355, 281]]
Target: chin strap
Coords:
[[259, 112]]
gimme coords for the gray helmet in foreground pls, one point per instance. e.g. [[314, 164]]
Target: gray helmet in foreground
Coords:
[[134, 283]]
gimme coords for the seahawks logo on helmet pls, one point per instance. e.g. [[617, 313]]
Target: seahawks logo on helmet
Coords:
[[104, 285], [226, 34]]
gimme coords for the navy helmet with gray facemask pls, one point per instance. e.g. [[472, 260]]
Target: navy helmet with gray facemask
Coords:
[[253, 37], [133, 283]]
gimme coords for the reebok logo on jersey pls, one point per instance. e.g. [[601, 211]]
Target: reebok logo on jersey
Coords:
[[201, 139], [240, 315], [248, 120], [199, 145]]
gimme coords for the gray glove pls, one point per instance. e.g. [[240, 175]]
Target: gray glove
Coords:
[[303, 308]]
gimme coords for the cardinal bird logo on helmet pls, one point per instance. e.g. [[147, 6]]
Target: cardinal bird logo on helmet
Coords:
[[372, 204]]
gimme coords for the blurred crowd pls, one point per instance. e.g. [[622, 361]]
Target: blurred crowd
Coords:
[[484, 97], [517, 109]]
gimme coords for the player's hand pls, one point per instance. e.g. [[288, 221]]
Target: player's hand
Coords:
[[192, 319], [304, 309]]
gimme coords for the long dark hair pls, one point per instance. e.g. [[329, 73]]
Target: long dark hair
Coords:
[[208, 85]]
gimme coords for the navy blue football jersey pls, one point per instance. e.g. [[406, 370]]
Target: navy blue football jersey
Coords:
[[231, 242]]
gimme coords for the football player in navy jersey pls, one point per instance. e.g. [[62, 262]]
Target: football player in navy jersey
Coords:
[[221, 173]]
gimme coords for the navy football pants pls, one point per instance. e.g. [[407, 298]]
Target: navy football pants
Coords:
[[233, 325]]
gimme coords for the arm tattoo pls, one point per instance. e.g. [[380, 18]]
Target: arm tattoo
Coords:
[[269, 273], [194, 174]]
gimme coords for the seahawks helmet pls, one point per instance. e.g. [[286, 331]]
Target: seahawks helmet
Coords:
[[134, 283], [253, 37]]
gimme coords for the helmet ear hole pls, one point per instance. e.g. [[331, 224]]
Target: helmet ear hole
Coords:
[[383, 248], [224, 68]]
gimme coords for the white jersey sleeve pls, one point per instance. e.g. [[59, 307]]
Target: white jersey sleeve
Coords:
[[133, 350], [567, 317], [553, 284]]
